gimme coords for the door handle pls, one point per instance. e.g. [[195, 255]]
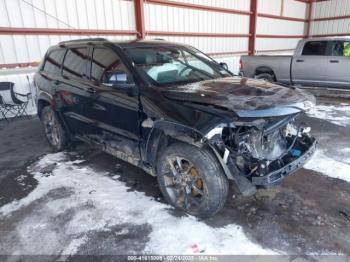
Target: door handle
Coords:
[[91, 90], [299, 61], [56, 82], [334, 61]]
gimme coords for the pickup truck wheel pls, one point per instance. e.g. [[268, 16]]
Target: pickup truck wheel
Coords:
[[266, 76], [54, 132], [191, 179]]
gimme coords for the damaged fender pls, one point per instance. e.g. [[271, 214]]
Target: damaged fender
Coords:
[[162, 131]]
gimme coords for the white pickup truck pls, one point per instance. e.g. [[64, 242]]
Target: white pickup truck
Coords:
[[316, 62]]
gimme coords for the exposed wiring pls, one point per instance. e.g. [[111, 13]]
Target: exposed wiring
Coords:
[[293, 143]]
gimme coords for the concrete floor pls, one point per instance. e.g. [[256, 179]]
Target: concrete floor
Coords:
[[308, 214]]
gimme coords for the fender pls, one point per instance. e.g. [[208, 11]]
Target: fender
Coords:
[[158, 139], [162, 131], [43, 98]]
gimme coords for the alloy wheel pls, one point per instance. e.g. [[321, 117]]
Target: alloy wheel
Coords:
[[183, 183]]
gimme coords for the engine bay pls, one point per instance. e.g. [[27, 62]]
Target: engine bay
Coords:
[[258, 149]]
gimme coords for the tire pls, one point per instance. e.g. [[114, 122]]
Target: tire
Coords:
[[192, 180], [54, 131], [266, 76]]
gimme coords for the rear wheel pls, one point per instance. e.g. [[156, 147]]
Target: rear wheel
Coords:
[[191, 179], [54, 132], [266, 76]]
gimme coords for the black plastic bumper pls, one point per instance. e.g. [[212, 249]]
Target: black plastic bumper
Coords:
[[277, 176]]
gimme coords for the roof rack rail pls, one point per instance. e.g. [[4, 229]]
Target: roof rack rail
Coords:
[[96, 39]]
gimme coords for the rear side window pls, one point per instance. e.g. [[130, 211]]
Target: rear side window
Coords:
[[74, 64], [315, 48], [104, 61], [53, 61]]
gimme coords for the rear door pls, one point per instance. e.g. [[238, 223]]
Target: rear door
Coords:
[[338, 65], [74, 94], [50, 74], [309, 66]]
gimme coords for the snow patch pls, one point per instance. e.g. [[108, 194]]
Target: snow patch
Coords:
[[336, 114], [328, 166], [74, 200], [74, 245], [186, 232]]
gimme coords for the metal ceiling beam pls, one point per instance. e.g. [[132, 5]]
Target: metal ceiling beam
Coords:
[[194, 34], [61, 31], [288, 18]]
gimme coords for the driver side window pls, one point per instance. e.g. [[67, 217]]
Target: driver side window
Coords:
[[341, 48], [107, 67]]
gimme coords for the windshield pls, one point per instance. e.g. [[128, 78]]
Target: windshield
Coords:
[[169, 65]]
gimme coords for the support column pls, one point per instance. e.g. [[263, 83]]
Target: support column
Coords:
[[252, 26], [282, 8], [140, 19], [309, 19]]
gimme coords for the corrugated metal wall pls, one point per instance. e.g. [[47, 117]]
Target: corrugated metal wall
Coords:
[[330, 9], [197, 27], [177, 19], [120, 15], [97, 14], [286, 8], [63, 14]]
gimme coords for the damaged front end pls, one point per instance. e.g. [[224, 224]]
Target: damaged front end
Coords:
[[263, 150]]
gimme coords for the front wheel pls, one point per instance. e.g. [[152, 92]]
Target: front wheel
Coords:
[[191, 179]]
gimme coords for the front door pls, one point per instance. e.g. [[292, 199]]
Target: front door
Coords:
[[113, 110], [338, 65]]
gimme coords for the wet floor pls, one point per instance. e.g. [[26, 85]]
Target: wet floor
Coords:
[[309, 213]]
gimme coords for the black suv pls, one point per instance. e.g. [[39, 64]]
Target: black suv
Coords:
[[177, 114]]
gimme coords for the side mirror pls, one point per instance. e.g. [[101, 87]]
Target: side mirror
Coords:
[[119, 80], [223, 65], [115, 77]]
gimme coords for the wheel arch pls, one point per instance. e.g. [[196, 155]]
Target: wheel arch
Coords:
[[43, 100], [165, 133], [264, 69]]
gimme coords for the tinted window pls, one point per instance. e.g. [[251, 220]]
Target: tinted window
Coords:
[[105, 61], [341, 48], [315, 48], [74, 64], [53, 61]]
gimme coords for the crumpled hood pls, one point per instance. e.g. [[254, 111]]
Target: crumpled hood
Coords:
[[246, 97]]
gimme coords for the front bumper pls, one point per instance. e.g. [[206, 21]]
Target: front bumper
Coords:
[[276, 177]]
